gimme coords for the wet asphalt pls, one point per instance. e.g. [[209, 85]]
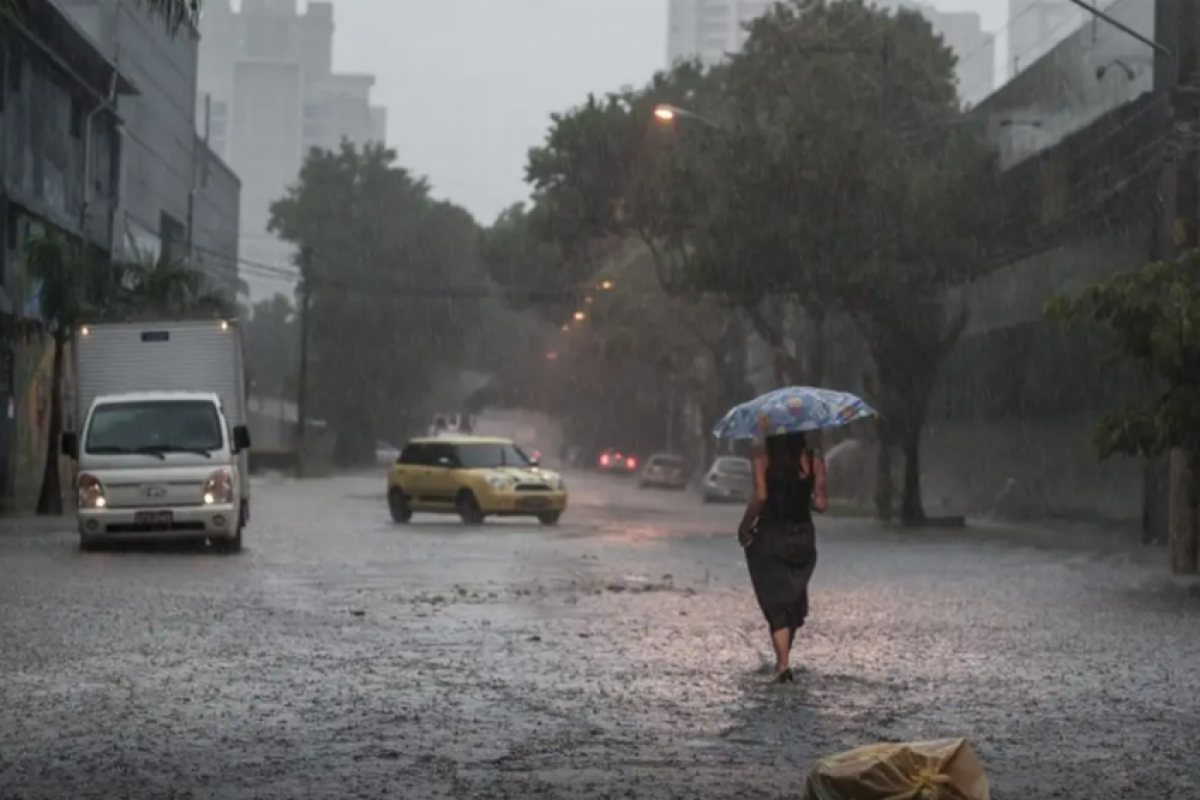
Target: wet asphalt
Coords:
[[618, 655]]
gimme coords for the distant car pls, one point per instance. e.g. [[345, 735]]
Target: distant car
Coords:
[[474, 477], [386, 453], [728, 480], [664, 471], [617, 463]]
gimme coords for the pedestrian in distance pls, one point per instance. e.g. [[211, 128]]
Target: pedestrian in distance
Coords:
[[779, 538]]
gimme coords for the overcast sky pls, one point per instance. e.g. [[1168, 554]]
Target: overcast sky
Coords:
[[470, 84]]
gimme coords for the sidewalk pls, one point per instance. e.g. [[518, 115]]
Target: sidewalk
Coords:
[[26, 523]]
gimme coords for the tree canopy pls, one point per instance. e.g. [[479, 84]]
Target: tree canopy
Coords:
[[396, 290], [826, 168]]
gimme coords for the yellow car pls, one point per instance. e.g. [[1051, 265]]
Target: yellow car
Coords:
[[473, 477]]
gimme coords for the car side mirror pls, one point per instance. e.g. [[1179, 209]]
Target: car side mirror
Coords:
[[241, 438], [534, 461], [69, 445]]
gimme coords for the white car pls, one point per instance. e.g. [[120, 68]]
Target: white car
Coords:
[[728, 480]]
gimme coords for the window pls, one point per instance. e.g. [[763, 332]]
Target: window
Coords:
[[442, 455], [155, 427], [483, 456], [733, 466], [414, 455]]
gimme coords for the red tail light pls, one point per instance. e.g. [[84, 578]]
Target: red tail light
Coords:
[[604, 460], [631, 462]]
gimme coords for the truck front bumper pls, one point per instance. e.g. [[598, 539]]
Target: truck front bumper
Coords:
[[180, 522]]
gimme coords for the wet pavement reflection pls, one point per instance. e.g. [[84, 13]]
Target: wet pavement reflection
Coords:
[[619, 654]]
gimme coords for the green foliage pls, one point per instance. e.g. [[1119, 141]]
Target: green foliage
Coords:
[[388, 270], [272, 339], [826, 166], [1152, 316]]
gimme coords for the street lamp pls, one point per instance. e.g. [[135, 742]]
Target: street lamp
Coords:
[[566, 327], [606, 285], [668, 114], [580, 316]]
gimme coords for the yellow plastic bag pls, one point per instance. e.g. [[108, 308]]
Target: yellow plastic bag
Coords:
[[946, 769]]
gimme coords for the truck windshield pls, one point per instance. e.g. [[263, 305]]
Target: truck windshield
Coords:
[[155, 426]]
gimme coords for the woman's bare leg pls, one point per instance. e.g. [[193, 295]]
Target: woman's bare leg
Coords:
[[781, 640]]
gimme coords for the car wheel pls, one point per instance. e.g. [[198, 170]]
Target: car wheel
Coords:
[[398, 506], [549, 517], [468, 508], [233, 545]]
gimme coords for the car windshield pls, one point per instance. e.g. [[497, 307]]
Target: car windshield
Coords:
[[155, 426], [484, 455], [733, 466]]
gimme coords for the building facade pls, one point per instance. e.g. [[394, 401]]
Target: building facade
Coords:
[[1082, 148], [1036, 26], [268, 94], [713, 29], [60, 170], [163, 160]]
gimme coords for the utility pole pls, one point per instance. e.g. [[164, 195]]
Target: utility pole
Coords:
[[1185, 233], [305, 263]]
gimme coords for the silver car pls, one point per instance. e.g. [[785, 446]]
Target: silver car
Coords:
[[728, 480], [664, 471]]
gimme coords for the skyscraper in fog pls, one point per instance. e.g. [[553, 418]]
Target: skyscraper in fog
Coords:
[[268, 93], [712, 29]]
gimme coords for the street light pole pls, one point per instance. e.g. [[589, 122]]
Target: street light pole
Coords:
[[305, 264]]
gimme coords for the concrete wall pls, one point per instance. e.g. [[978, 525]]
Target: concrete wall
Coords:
[[158, 158], [1061, 94], [1018, 397], [215, 229]]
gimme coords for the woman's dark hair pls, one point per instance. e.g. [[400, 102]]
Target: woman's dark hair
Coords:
[[786, 448]]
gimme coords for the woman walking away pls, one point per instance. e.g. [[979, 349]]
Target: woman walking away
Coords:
[[779, 539]]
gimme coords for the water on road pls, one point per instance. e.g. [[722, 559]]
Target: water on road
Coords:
[[617, 655]]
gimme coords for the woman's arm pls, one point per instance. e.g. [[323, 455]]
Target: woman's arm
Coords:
[[757, 498], [820, 489]]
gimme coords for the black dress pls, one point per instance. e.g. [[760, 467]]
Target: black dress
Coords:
[[783, 551]]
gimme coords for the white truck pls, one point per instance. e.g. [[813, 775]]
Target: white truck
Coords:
[[163, 449]]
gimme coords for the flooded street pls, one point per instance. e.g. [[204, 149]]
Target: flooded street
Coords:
[[617, 655]]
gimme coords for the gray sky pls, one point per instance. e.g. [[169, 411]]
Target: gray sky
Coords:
[[470, 84]]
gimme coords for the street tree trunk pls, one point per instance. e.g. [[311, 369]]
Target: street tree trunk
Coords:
[[50, 497], [884, 488], [912, 510], [1183, 513]]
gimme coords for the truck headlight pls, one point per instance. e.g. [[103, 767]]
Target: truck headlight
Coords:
[[219, 488], [90, 492]]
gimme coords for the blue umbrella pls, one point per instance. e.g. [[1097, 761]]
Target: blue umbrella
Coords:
[[790, 410]]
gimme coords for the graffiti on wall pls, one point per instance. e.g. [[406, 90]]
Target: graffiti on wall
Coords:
[[32, 375]]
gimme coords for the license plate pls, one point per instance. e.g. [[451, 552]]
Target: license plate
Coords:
[[534, 502], [153, 517]]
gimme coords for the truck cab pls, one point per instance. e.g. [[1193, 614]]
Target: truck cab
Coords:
[[159, 465]]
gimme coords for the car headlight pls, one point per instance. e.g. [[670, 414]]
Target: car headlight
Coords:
[[219, 488], [90, 492], [499, 481]]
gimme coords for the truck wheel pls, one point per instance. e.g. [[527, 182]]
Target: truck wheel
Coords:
[[398, 506], [549, 517], [468, 508]]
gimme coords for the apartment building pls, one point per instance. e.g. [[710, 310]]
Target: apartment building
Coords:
[[268, 93]]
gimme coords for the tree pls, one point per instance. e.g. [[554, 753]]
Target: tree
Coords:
[[75, 285], [1152, 318], [395, 281], [272, 348]]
